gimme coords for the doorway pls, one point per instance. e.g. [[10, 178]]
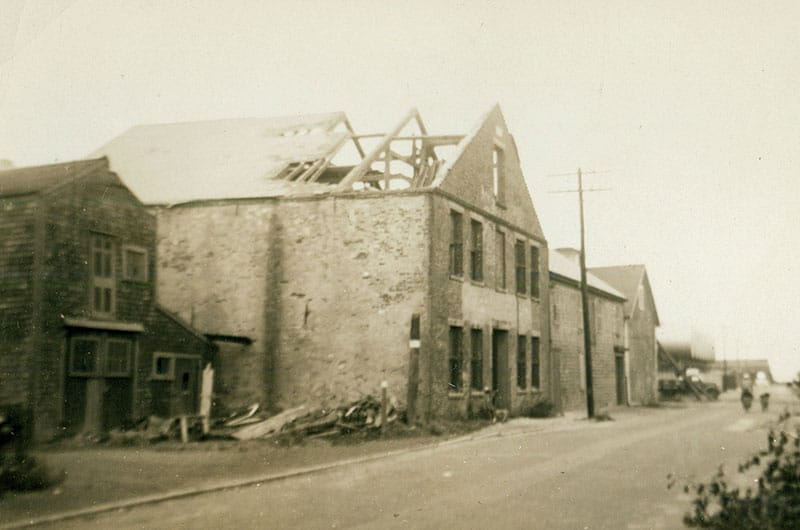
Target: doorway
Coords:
[[500, 383], [619, 366]]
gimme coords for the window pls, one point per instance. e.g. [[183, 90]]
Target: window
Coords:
[[535, 380], [534, 272], [100, 356], [476, 251], [103, 281], [500, 279], [519, 264], [134, 264], [476, 361], [521, 369], [118, 357], [455, 359], [83, 358], [456, 244], [164, 367], [498, 174]]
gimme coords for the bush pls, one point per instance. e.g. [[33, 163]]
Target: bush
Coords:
[[774, 504], [543, 408]]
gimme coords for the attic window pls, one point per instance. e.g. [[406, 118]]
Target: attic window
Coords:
[[499, 174]]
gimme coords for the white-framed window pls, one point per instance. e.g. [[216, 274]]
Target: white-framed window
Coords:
[[499, 174], [103, 284], [98, 355], [134, 263], [164, 364]]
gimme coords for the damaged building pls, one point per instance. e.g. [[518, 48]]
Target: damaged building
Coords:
[[323, 262], [84, 345]]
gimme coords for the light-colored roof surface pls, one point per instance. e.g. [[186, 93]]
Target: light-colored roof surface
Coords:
[[221, 159], [569, 268]]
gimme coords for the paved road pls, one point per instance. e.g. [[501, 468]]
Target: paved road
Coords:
[[585, 475]]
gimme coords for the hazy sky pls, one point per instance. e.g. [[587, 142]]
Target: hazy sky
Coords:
[[692, 108]]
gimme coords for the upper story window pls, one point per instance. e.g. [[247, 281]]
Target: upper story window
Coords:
[[456, 244], [499, 174], [476, 251], [535, 272], [519, 265], [134, 264], [500, 243], [103, 282]]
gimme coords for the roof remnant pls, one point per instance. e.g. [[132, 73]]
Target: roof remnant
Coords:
[[176, 163]]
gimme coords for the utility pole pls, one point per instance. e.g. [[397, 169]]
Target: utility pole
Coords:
[[587, 332]]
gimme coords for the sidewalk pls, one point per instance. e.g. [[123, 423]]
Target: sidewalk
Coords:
[[102, 478]]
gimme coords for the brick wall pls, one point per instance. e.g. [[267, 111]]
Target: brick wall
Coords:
[[17, 221], [567, 336], [325, 287]]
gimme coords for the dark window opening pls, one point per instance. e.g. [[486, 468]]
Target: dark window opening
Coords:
[[476, 360], [185, 381], [476, 251], [501, 260], [521, 368], [456, 244], [535, 272], [84, 356], [519, 264], [535, 381], [118, 357], [135, 265], [455, 359]]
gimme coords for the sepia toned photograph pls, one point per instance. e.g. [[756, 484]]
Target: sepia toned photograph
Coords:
[[350, 264]]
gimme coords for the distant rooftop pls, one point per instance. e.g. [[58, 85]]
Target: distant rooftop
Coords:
[[36, 179], [564, 262]]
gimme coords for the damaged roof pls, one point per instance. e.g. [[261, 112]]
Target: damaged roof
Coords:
[[231, 158], [562, 264], [169, 164]]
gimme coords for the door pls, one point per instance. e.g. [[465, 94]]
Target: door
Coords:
[[619, 364], [500, 383], [185, 386]]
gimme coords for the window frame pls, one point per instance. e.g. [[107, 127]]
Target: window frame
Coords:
[[145, 264], [520, 269], [499, 173], [456, 244], [455, 360], [476, 250], [536, 360], [534, 272], [73, 340], [103, 281], [522, 362], [128, 358], [501, 269], [476, 359]]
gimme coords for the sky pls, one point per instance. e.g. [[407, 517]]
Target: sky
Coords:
[[687, 111]]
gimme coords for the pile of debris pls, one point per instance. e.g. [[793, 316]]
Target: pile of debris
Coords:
[[361, 416]]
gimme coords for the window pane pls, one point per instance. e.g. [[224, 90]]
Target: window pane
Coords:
[[135, 265], [98, 299], [455, 358], [162, 366], [118, 357], [519, 263], [84, 355], [107, 300], [535, 362], [476, 367], [521, 361], [535, 272], [476, 251], [456, 244]]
